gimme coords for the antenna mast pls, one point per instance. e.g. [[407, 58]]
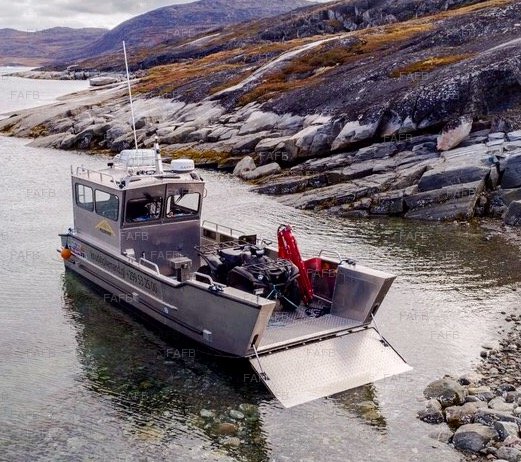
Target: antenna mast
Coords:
[[130, 95]]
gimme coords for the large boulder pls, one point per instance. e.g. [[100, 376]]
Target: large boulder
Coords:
[[512, 174], [246, 164], [447, 391], [454, 133], [513, 215], [455, 202], [473, 437], [353, 132], [293, 184], [259, 121], [311, 141], [452, 173], [116, 131], [178, 135], [245, 144], [390, 203], [262, 171]]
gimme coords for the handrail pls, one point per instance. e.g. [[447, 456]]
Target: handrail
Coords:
[[349, 261], [211, 282], [83, 170], [204, 276], [149, 264], [330, 252], [226, 228]]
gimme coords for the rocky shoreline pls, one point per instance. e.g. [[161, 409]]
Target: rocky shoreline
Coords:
[[482, 410], [68, 74], [312, 162]]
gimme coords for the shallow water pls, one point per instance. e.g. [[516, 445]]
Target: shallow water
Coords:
[[80, 379]]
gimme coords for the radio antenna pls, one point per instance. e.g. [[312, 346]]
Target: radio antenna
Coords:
[[130, 95]]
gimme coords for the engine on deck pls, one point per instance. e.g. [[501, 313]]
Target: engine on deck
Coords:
[[246, 267]]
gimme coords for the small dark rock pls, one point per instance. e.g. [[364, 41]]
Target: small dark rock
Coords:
[[473, 437], [513, 215], [506, 429], [489, 416], [432, 413], [506, 387]]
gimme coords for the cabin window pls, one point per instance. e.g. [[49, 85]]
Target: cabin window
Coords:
[[144, 209], [183, 205], [84, 197], [107, 205]]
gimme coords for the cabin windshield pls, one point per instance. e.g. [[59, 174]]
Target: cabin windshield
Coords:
[[183, 205], [144, 209]]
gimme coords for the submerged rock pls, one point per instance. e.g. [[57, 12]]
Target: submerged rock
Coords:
[[237, 415], [232, 442], [207, 414], [226, 428]]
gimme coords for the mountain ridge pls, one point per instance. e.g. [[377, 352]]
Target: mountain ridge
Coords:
[[189, 19], [175, 22], [41, 47]]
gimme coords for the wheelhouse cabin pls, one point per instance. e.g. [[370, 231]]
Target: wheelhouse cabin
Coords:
[[125, 209]]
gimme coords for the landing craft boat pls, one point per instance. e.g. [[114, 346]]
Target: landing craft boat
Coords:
[[306, 325]]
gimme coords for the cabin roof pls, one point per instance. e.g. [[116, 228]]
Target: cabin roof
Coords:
[[115, 177]]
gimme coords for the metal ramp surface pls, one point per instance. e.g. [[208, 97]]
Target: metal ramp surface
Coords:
[[314, 370]]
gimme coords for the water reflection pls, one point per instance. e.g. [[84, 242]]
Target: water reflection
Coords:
[[164, 387]]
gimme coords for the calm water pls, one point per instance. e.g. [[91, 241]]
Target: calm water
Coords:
[[17, 93], [82, 380]]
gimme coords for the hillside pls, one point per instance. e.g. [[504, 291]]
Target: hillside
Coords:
[[362, 103], [41, 47], [178, 22]]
